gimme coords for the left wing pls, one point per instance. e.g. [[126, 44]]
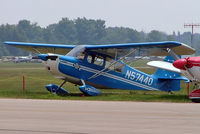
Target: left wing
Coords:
[[114, 50], [42, 48]]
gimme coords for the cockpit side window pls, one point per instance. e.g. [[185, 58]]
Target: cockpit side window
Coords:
[[95, 59]]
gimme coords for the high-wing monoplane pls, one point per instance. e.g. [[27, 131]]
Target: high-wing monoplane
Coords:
[[96, 67]]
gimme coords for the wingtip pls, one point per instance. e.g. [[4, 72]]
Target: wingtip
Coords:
[[8, 42], [5, 42]]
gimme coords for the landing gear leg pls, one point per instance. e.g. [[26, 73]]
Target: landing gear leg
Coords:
[[83, 82], [58, 90]]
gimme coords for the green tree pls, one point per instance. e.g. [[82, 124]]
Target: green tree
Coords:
[[121, 35], [29, 32], [65, 31], [155, 35], [89, 31]]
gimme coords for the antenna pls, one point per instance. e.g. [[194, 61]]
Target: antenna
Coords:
[[193, 26]]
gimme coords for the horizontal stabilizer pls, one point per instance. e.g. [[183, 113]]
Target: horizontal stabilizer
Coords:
[[163, 65], [177, 78]]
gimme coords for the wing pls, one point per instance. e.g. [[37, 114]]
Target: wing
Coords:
[[145, 49], [114, 50], [42, 48]]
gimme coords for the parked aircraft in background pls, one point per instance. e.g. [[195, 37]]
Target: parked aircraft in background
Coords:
[[102, 66], [20, 59]]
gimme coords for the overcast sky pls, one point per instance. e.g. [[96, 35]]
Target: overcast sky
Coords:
[[142, 15]]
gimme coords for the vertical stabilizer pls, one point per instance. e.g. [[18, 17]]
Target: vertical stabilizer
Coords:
[[168, 80]]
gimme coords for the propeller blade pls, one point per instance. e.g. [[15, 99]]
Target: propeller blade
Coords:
[[52, 57], [35, 57], [43, 57]]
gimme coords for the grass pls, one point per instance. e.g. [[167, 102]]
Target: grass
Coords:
[[37, 77]]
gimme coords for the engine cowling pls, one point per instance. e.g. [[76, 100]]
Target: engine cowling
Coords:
[[188, 62], [51, 62]]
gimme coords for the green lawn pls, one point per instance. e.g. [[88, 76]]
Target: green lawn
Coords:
[[37, 77]]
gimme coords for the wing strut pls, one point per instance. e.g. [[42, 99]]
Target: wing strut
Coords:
[[172, 54], [100, 72], [37, 51]]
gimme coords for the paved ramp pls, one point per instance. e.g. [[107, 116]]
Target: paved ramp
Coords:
[[21, 116]]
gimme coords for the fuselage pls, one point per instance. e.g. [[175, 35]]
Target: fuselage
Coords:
[[118, 76]]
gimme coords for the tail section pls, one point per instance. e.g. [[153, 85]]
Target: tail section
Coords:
[[168, 80]]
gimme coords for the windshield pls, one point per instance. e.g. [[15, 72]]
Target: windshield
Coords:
[[77, 51]]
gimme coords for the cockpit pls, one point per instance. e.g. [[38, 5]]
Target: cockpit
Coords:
[[97, 59], [104, 61]]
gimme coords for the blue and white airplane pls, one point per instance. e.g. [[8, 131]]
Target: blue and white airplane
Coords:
[[101, 66]]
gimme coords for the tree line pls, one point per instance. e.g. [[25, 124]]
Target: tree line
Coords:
[[82, 31]]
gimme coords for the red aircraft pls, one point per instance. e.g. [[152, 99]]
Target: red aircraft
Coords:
[[190, 67]]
